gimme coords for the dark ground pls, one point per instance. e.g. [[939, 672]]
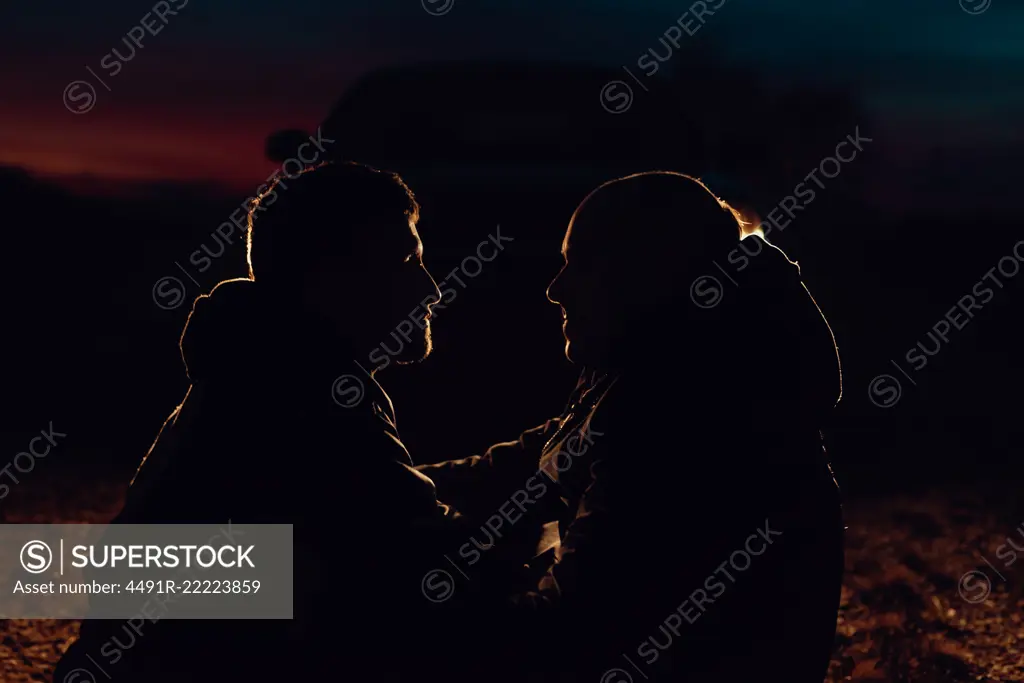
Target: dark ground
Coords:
[[902, 617]]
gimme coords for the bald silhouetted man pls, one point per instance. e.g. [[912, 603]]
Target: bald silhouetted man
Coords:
[[699, 525]]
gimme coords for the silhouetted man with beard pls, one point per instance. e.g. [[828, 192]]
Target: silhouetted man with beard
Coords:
[[700, 532], [283, 424]]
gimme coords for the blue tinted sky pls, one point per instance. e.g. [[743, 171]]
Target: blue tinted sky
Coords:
[[198, 98]]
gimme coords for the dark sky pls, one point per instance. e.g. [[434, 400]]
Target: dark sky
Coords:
[[197, 100]]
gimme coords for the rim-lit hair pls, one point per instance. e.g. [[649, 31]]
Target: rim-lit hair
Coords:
[[322, 204]]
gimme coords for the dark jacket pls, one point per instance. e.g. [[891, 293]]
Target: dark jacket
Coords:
[[701, 531], [262, 437]]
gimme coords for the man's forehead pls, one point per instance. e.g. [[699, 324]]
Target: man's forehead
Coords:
[[394, 231], [582, 238]]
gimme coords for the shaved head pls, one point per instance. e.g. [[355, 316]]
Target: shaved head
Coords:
[[647, 214], [631, 249]]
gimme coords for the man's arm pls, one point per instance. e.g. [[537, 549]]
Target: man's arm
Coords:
[[480, 484]]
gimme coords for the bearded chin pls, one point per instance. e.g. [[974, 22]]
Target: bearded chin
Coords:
[[419, 348]]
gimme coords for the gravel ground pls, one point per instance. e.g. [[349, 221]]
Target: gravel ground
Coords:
[[30, 648], [926, 598], [907, 614]]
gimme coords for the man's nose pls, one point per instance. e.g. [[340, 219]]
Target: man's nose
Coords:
[[433, 283], [554, 289]]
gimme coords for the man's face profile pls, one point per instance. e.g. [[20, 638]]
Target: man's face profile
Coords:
[[382, 295], [631, 250], [585, 290], [416, 293]]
